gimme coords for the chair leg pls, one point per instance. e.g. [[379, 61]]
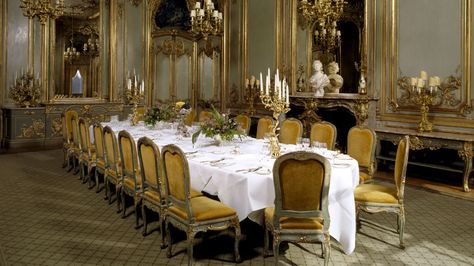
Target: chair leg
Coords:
[[327, 249], [168, 239], [144, 233], [265, 240], [97, 185], [122, 196], [91, 177], [106, 188], [64, 158], [237, 240], [162, 222], [276, 247], [401, 226], [190, 246], [137, 213], [358, 224], [118, 192]]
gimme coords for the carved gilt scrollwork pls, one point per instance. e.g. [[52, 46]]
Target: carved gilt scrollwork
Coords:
[[172, 47], [56, 127], [209, 49], [419, 144], [36, 129], [135, 2], [361, 111]]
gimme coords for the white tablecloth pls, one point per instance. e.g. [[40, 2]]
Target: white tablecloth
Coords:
[[215, 170]]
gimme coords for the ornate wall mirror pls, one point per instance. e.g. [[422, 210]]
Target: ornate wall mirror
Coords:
[[77, 49], [347, 48]]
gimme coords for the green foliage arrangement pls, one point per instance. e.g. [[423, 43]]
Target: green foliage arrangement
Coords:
[[218, 124], [164, 112]]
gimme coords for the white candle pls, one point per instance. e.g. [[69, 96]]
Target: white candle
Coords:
[[287, 94], [423, 75], [421, 83], [261, 83], [432, 82], [143, 86], [129, 84]]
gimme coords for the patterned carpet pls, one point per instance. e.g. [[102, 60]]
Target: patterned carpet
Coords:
[[49, 217]]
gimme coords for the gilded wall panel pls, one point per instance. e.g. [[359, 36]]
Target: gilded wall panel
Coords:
[[440, 46]]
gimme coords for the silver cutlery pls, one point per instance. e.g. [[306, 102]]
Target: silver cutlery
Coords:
[[249, 170], [213, 161]]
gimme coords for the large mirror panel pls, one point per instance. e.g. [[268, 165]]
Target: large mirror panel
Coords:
[[77, 50]]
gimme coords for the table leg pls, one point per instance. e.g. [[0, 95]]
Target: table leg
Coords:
[[466, 155]]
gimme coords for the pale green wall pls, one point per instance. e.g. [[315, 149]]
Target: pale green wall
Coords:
[[261, 36], [17, 44]]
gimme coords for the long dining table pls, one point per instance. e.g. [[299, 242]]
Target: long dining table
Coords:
[[240, 174]]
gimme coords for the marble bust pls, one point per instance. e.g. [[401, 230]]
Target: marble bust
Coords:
[[318, 81], [335, 80]]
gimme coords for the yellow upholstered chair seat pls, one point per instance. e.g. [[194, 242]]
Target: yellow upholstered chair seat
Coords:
[[364, 177], [264, 126], [100, 163], [205, 115], [374, 193], [295, 223], [111, 172], [152, 195], [204, 209], [324, 132], [127, 181], [244, 122], [188, 121], [290, 131]]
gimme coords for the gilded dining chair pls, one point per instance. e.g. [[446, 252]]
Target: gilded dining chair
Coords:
[[291, 130], [324, 132], [192, 214], [188, 121], [244, 122], [361, 144], [301, 180], [205, 115], [66, 143], [99, 154], [87, 157], [131, 183], [152, 183], [75, 150], [373, 198], [264, 126], [70, 117], [113, 166]]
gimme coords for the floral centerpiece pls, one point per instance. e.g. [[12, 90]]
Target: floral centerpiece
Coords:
[[162, 112], [218, 126], [182, 109]]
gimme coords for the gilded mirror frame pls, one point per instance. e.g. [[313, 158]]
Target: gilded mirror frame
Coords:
[[391, 61]]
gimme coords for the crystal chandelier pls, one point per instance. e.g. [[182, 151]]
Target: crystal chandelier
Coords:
[[324, 15], [206, 20], [71, 53], [91, 47]]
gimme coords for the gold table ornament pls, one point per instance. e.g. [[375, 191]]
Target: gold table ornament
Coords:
[[134, 94], [26, 89], [424, 95], [277, 101], [252, 85]]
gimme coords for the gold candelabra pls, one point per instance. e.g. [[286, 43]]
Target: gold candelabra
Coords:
[[252, 86], [278, 102], [206, 20], [324, 14], [134, 94], [91, 47], [424, 94], [26, 89]]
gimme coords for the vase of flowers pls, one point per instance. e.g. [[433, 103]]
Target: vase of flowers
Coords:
[[160, 113], [219, 126], [182, 109]]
